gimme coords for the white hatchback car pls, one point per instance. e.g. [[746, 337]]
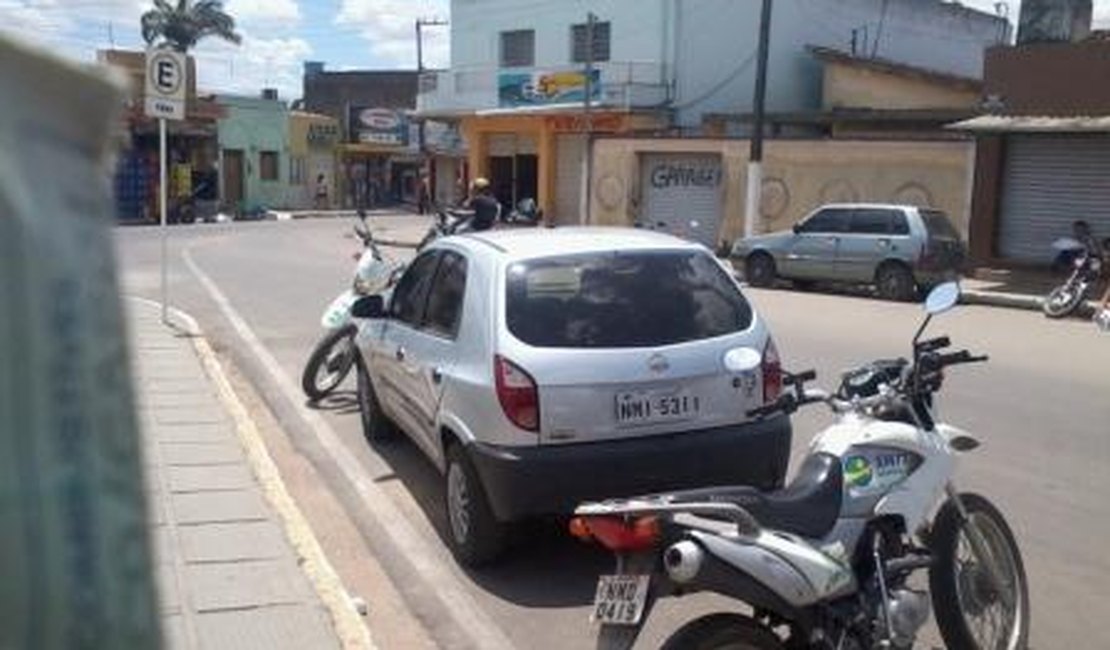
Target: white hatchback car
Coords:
[[541, 368]]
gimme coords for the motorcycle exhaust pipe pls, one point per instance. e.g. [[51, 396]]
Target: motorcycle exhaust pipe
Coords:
[[683, 560]]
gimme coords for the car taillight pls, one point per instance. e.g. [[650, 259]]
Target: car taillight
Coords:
[[928, 257], [617, 534], [518, 394], [772, 373]]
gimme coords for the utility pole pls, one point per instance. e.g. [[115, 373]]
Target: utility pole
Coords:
[[588, 166], [755, 159], [420, 24]]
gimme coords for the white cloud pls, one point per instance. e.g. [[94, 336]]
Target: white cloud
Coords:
[[264, 12], [388, 26], [254, 64]]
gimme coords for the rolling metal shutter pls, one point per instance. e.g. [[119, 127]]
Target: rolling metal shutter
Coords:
[[569, 167], [1051, 181], [681, 194]]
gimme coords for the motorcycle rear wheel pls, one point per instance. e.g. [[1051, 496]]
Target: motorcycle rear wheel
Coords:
[[970, 611], [329, 364], [723, 632], [1063, 300]]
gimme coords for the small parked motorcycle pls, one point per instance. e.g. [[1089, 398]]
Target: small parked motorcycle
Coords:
[[826, 563], [1085, 270], [334, 355], [527, 213], [447, 223]]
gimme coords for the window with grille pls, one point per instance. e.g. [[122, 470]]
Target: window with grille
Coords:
[[518, 48], [268, 165], [579, 51]]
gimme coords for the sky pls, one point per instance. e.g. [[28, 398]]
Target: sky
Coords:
[[278, 35]]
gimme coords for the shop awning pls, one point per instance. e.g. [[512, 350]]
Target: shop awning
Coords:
[[1034, 124]]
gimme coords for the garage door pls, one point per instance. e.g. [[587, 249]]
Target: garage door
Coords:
[[681, 194], [1050, 181], [570, 166]]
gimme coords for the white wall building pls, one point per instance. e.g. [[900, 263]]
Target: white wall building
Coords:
[[517, 80]]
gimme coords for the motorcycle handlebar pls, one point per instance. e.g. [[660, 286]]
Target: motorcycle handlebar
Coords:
[[933, 345]]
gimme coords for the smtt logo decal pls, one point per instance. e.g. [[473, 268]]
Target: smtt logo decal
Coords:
[[857, 471]]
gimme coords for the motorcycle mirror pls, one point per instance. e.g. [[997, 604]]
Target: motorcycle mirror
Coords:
[[369, 307], [740, 360], [942, 298]]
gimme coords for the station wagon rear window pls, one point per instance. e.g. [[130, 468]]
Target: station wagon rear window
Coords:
[[938, 225], [622, 300]]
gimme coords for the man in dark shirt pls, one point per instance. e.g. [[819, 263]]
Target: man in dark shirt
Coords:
[[486, 208]]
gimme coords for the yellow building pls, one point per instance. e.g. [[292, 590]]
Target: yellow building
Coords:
[[542, 154], [312, 149]]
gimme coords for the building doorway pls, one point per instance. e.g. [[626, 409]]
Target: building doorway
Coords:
[[233, 178], [514, 178]]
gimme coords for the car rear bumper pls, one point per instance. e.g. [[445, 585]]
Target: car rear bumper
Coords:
[[523, 482]]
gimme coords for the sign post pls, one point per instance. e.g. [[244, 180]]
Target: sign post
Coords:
[[166, 80]]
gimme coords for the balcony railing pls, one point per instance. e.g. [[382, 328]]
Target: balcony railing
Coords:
[[469, 89]]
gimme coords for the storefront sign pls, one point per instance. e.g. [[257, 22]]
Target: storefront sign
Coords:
[[516, 89], [665, 175], [604, 122], [322, 135], [379, 126]]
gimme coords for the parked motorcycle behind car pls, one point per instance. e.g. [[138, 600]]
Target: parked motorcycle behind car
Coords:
[[448, 222], [1085, 269], [332, 358], [826, 562], [526, 213]]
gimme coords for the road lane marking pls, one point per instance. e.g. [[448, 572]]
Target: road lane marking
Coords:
[[411, 545]]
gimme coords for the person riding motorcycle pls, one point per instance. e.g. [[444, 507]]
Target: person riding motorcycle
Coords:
[[487, 209]]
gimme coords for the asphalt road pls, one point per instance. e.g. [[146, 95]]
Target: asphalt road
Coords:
[[1041, 408]]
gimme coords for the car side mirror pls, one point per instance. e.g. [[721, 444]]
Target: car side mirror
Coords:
[[797, 228], [369, 307]]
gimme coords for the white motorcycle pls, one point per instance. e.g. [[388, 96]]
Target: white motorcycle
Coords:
[[334, 355], [826, 562]]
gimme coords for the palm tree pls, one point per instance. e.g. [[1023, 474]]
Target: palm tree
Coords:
[[181, 26]]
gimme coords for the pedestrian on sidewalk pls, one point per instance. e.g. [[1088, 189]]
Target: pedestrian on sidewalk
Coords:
[[321, 193]]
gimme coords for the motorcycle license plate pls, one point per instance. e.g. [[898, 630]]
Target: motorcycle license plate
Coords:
[[620, 599]]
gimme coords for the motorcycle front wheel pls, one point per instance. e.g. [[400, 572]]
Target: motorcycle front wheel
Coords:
[[723, 632], [973, 610], [329, 363], [1063, 300]]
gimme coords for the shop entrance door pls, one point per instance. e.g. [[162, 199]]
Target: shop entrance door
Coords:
[[233, 178], [501, 176], [514, 178]]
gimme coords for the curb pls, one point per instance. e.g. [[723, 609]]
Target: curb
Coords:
[[995, 299], [1012, 300], [348, 624]]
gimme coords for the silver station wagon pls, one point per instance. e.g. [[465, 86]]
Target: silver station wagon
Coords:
[[902, 250], [541, 368]]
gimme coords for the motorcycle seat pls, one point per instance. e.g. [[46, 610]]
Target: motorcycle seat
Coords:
[[808, 507]]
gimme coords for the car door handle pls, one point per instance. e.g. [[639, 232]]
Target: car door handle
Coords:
[[400, 354], [437, 375]]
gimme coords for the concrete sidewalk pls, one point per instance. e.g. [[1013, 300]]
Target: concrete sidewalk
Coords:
[[227, 573]]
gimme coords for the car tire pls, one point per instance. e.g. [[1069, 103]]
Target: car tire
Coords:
[[376, 427], [474, 534], [893, 281], [759, 270]]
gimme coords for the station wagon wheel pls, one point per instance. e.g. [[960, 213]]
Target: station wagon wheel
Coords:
[[895, 282], [474, 534], [759, 270], [376, 427]]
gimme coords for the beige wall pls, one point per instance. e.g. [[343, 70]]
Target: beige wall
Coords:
[[799, 175], [854, 87]]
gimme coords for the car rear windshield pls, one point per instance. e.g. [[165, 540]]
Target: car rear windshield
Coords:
[[622, 300], [938, 225]]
